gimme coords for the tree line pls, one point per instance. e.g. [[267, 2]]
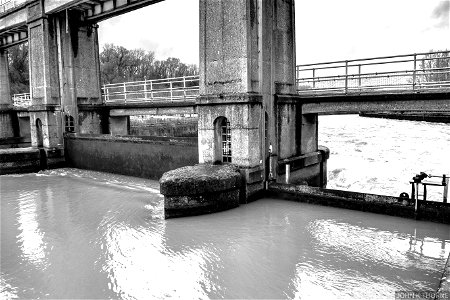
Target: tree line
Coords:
[[117, 64]]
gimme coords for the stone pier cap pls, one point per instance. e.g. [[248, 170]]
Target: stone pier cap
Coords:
[[200, 189]]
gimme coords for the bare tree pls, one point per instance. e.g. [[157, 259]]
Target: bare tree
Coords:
[[435, 67]]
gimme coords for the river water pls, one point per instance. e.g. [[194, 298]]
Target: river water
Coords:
[[71, 233]]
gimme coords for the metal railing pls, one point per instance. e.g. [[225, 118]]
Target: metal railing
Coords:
[[412, 73], [8, 4], [422, 72], [22, 100], [176, 89]]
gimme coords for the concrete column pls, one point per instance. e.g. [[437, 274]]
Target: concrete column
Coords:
[[64, 74], [6, 124], [5, 91], [247, 72], [79, 70], [45, 112], [119, 125], [230, 86]]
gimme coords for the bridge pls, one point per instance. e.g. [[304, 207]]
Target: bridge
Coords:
[[256, 109], [362, 82]]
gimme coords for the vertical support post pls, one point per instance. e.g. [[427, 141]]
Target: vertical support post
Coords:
[[424, 192], [184, 87], [106, 93], [6, 123], [415, 72], [125, 92], [445, 181], [288, 173], [416, 203], [359, 76], [171, 91], [44, 79], [151, 90], [346, 76], [314, 76], [5, 91], [145, 88]]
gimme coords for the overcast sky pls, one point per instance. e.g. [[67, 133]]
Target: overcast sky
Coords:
[[326, 30]]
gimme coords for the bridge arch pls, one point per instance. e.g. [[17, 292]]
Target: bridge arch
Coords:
[[222, 140]]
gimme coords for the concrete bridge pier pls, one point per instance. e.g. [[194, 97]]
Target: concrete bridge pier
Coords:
[[64, 73], [247, 92], [6, 109], [79, 72], [45, 110]]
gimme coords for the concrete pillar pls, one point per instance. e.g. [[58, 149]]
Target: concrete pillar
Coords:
[[230, 86], [64, 74], [6, 118], [247, 75], [5, 91], [79, 70], [119, 125], [44, 79]]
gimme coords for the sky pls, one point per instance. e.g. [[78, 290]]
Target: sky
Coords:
[[326, 30]]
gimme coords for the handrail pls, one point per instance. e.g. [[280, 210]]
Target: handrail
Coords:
[[22, 100], [408, 72], [169, 89], [372, 58]]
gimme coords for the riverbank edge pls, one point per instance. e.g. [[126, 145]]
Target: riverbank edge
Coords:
[[434, 117], [388, 205]]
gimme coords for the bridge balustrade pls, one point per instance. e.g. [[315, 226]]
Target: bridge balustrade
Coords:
[[22, 100], [423, 72], [176, 89], [6, 5]]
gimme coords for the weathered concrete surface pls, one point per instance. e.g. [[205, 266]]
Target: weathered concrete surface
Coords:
[[119, 125], [199, 179], [147, 157], [14, 142], [200, 189], [164, 126], [430, 211], [5, 92], [444, 284], [6, 120], [438, 102], [247, 56], [428, 116], [26, 160], [19, 160], [310, 168]]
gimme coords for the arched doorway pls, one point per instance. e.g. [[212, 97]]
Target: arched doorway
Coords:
[[39, 136], [222, 140]]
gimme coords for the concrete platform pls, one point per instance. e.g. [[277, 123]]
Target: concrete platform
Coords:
[[200, 189], [19, 160]]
